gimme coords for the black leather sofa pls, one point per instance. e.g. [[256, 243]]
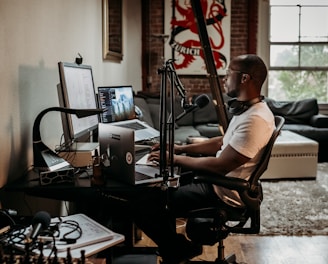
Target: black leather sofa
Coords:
[[200, 123], [301, 117]]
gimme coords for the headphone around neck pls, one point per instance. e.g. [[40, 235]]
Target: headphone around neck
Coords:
[[236, 107]]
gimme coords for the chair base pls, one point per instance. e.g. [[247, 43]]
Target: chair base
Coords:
[[221, 259], [231, 259]]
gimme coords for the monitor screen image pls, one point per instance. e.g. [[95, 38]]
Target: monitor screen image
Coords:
[[118, 102], [76, 90]]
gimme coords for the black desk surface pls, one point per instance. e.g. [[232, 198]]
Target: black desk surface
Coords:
[[91, 199], [81, 187]]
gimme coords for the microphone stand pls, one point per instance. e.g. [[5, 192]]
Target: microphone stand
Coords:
[[167, 119], [171, 122], [163, 126]]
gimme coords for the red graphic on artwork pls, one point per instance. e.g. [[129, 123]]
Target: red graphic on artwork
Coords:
[[191, 48]]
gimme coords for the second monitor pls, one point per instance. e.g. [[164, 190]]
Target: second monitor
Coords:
[[120, 111]]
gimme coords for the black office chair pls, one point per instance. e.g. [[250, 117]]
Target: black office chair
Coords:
[[208, 226]]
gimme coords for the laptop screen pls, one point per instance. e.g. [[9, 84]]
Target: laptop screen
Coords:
[[118, 102]]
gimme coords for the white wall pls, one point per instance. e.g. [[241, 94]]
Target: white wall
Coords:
[[34, 36]]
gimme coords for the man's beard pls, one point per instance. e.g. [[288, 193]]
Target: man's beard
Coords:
[[232, 93]]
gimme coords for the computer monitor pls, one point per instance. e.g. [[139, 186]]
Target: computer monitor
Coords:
[[118, 102], [76, 90]]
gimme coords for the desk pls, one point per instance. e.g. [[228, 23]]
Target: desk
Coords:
[[89, 200], [74, 191]]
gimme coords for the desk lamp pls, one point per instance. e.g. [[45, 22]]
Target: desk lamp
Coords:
[[44, 158]]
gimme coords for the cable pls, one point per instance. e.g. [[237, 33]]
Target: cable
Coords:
[[75, 228], [7, 216], [16, 236], [73, 233]]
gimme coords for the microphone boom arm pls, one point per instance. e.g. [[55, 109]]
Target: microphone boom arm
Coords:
[[176, 82]]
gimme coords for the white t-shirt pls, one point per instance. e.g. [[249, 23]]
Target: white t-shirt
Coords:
[[248, 133]]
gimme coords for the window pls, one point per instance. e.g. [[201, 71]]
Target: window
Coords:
[[298, 50]]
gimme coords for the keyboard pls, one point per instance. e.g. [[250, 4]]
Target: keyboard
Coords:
[[52, 159], [144, 172], [134, 126], [141, 177]]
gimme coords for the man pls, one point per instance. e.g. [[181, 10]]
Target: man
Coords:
[[235, 154]]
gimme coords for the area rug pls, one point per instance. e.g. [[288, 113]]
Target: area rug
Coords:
[[296, 207]]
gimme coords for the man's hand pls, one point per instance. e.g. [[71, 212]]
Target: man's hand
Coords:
[[177, 148], [155, 156]]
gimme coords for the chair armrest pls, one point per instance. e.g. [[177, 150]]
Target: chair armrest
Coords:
[[319, 120], [224, 181], [240, 185]]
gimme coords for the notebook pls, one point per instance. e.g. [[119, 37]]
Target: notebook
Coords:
[[90, 236], [117, 150], [120, 111]]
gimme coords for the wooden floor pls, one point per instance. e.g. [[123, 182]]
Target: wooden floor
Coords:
[[252, 249]]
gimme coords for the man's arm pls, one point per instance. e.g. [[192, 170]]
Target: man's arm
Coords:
[[207, 147], [228, 160]]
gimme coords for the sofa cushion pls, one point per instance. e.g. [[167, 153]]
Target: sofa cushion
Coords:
[[317, 134], [209, 130], [155, 111], [143, 111], [319, 120], [294, 112], [183, 132], [207, 114], [155, 114], [186, 120]]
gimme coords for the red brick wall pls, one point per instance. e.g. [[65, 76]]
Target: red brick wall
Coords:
[[243, 40]]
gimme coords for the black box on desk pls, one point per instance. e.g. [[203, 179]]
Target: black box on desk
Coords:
[[64, 175]]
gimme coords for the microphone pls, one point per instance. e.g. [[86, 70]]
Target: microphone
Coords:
[[40, 221], [200, 102]]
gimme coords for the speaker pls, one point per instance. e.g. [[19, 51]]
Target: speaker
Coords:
[[236, 107]]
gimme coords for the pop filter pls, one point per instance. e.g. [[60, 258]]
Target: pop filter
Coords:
[[40, 222]]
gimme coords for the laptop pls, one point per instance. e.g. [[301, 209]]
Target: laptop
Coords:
[[120, 111], [117, 150]]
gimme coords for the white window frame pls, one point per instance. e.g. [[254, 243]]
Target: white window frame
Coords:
[[263, 46]]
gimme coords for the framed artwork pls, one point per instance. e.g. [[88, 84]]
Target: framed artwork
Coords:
[[184, 45], [112, 30]]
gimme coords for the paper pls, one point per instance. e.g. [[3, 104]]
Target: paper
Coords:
[[144, 161]]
